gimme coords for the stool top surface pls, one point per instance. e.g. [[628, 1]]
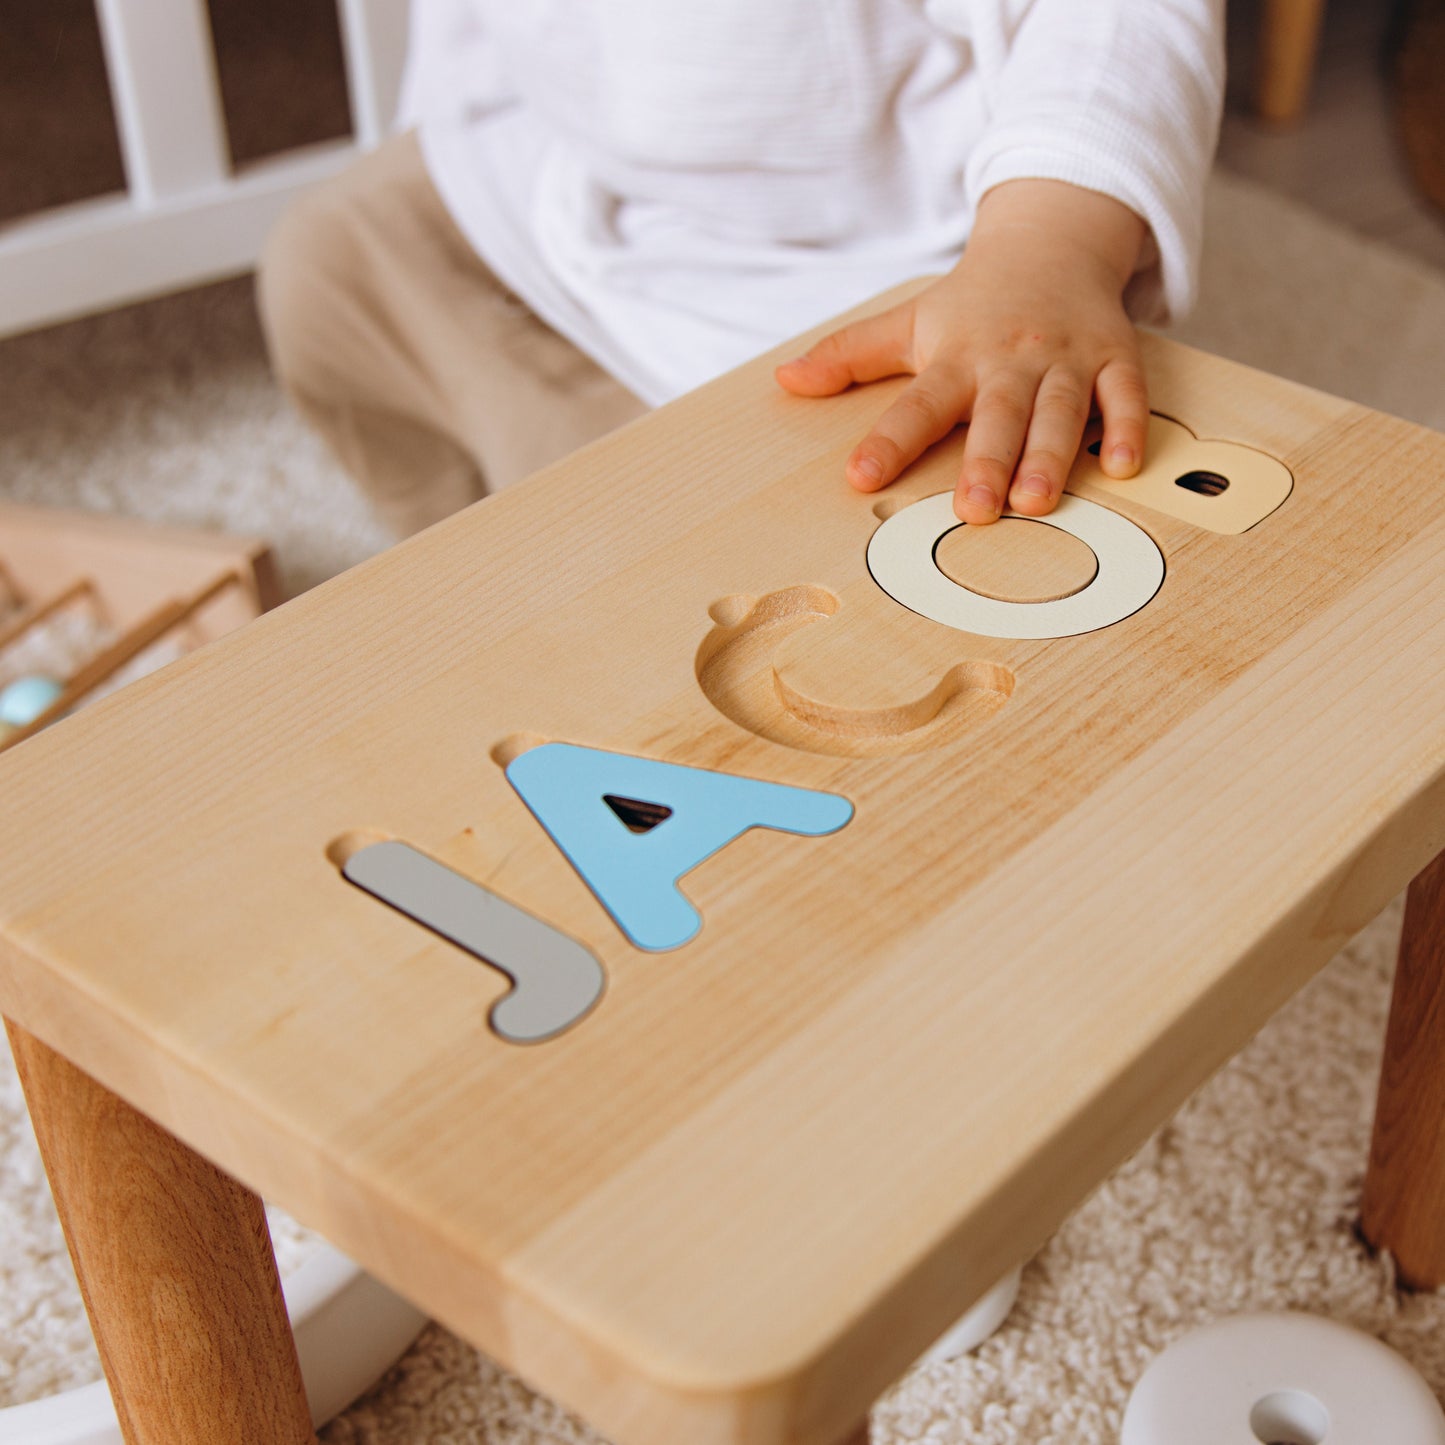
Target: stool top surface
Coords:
[[774, 1163]]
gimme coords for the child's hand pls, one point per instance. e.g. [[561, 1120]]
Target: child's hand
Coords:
[[1017, 340]]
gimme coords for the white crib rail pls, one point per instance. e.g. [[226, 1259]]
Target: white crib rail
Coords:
[[185, 217], [167, 96], [374, 35]]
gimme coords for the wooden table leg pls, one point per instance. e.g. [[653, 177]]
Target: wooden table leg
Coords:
[[1289, 42], [175, 1265], [1403, 1209]]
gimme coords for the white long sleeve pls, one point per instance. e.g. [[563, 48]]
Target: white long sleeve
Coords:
[[676, 187], [1118, 96]]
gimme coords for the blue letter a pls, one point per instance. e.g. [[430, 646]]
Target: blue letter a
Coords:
[[633, 826]]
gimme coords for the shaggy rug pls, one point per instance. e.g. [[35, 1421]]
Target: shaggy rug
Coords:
[[1245, 1200]]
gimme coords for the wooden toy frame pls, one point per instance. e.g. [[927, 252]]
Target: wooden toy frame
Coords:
[[146, 582], [750, 1187]]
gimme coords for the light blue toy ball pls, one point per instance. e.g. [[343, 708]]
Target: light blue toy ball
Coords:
[[23, 700]]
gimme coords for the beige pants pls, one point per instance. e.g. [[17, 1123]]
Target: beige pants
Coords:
[[430, 382]]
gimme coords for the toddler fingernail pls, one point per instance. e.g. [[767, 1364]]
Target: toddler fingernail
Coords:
[[1122, 456], [982, 496], [870, 468], [1035, 486]]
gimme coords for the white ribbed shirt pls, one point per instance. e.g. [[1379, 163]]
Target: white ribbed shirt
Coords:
[[676, 185]]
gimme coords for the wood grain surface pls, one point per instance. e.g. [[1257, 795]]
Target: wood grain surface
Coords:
[[175, 1266], [1017, 560], [774, 1165], [1405, 1186]]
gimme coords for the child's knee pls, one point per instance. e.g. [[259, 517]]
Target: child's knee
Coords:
[[307, 285]]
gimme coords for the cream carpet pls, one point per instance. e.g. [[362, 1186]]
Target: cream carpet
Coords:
[[1246, 1200]]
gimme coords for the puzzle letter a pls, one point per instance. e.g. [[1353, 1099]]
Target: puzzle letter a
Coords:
[[633, 826]]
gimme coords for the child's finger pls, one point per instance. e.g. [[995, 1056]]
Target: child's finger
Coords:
[[1124, 405], [868, 350], [1061, 411], [925, 413], [995, 438]]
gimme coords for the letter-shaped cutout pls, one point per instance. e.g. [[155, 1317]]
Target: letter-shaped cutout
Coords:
[[902, 559], [556, 981], [634, 873], [1254, 483]]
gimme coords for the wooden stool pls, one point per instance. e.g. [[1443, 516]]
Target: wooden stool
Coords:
[[971, 914]]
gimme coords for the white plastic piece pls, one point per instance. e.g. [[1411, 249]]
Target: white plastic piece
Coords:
[[979, 1323], [1131, 571], [349, 1331], [1281, 1379]]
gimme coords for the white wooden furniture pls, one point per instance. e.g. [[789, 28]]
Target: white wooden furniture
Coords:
[[186, 217]]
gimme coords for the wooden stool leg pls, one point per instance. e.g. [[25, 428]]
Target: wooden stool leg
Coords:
[[175, 1265], [1288, 44], [1403, 1209]]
